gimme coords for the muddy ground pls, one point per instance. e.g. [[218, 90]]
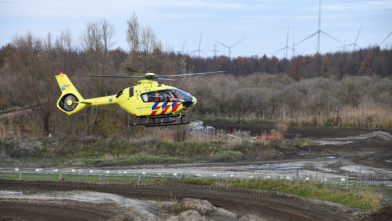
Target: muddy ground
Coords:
[[339, 143], [334, 151], [76, 201]]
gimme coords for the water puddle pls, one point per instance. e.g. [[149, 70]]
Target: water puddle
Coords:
[[356, 169], [323, 142], [269, 165], [330, 157]]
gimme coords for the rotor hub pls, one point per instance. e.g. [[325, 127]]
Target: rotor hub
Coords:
[[69, 102]]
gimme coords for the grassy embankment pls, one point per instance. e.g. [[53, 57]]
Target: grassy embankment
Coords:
[[65, 152], [363, 197]]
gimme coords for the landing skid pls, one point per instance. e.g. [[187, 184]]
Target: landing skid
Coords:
[[167, 121]]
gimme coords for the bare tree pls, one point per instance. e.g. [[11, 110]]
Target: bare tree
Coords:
[[96, 41], [148, 40], [63, 47], [133, 33], [29, 73]]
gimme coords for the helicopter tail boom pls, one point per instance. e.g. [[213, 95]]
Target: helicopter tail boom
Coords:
[[71, 101]]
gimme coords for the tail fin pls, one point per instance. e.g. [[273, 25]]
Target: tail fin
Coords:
[[70, 99]]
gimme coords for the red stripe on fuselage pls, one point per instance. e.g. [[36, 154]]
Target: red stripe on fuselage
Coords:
[[166, 108], [155, 110], [175, 107]]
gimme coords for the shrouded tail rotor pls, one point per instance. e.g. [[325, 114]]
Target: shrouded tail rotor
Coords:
[[68, 102]]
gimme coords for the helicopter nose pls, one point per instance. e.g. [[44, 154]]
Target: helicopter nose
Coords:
[[194, 101]]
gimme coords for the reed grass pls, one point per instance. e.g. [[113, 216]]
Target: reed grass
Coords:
[[366, 115]]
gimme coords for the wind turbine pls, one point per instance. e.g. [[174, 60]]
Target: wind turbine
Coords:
[[287, 45], [318, 31], [386, 38], [182, 50], [229, 47], [355, 44], [198, 50]]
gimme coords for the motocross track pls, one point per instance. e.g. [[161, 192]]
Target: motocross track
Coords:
[[270, 205], [348, 149], [371, 152]]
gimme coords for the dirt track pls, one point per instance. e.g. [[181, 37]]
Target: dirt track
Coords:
[[294, 131], [270, 205], [372, 152]]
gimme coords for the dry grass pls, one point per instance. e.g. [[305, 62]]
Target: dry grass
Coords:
[[366, 115]]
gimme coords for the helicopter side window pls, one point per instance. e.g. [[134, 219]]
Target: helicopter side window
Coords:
[[119, 93], [150, 97], [182, 96], [168, 96], [145, 97], [159, 96]]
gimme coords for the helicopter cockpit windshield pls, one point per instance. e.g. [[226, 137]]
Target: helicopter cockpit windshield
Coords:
[[172, 95]]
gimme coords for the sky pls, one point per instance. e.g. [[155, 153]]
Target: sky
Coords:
[[263, 23]]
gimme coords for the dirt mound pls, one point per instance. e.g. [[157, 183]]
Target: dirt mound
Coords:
[[268, 204], [384, 215], [120, 218]]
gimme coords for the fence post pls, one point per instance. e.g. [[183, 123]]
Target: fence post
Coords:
[[359, 177], [60, 175], [138, 178], [20, 174], [346, 181], [99, 177]]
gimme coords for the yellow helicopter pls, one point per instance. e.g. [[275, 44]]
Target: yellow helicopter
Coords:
[[146, 100]]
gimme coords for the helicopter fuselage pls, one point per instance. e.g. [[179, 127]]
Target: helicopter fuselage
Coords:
[[147, 98]]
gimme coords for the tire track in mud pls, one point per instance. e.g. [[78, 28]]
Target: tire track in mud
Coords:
[[270, 203]]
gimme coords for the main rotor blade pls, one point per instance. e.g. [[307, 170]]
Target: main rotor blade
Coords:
[[386, 38], [237, 43], [179, 75], [331, 37], [279, 50], [221, 43], [110, 76], [307, 38], [134, 71]]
